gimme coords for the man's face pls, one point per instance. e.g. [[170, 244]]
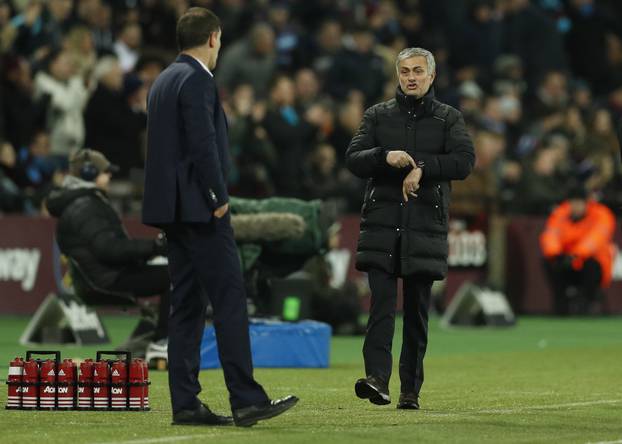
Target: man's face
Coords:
[[62, 68], [284, 93], [214, 42], [113, 79], [264, 41], [60, 9], [414, 77], [40, 145], [102, 181], [577, 208]]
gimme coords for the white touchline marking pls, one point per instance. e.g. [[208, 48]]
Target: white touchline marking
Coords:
[[458, 413], [450, 413], [550, 406], [167, 439]]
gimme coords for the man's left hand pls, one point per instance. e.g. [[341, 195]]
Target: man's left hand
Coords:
[[411, 183]]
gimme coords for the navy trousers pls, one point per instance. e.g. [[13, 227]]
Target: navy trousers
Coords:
[[203, 263]]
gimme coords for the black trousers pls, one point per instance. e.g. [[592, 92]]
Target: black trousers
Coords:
[[203, 263], [586, 282], [149, 280], [381, 326]]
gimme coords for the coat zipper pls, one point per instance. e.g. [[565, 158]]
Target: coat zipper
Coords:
[[440, 207]]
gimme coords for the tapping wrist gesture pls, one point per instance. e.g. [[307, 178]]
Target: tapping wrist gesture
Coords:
[[411, 183], [400, 159]]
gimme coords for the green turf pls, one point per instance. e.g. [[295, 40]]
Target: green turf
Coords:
[[546, 380]]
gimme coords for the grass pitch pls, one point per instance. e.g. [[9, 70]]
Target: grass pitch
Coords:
[[545, 380]]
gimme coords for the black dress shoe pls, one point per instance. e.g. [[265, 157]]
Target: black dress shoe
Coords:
[[373, 389], [201, 416], [408, 401], [248, 416]]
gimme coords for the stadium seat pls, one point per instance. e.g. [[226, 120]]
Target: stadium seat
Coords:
[[92, 295]]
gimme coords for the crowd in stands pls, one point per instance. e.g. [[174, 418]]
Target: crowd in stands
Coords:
[[539, 83]]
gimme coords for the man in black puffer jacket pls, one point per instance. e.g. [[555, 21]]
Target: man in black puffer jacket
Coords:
[[90, 232], [409, 148]]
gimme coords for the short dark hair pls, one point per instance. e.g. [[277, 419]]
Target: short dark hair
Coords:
[[195, 27]]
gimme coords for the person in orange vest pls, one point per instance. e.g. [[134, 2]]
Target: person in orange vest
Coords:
[[578, 250]]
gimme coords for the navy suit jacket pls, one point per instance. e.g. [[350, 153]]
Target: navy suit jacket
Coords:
[[187, 146]]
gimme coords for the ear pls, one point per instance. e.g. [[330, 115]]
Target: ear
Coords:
[[213, 39], [432, 77]]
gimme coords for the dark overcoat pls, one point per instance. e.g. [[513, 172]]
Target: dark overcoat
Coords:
[[406, 238]]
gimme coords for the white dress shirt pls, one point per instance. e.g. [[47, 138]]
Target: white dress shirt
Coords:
[[203, 65]]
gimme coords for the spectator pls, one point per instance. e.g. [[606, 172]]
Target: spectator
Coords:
[[588, 35], [7, 32], [98, 17], [158, 20], [253, 153], [148, 67], [326, 46], [40, 27], [345, 74], [308, 88], [288, 42], [349, 117], [601, 136], [552, 96], [480, 38], [251, 60], [321, 116], [111, 124], [67, 97], [127, 46], [578, 249], [582, 96], [11, 199], [470, 97], [22, 112], [479, 193], [544, 179], [290, 134], [533, 36], [34, 161], [80, 45], [8, 163], [38, 172]]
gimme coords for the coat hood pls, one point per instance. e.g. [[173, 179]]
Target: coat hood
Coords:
[[71, 189]]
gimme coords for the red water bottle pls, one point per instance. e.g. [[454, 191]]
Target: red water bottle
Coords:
[[66, 385], [29, 389], [14, 381], [118, 385], [136, 381], [145, 386], [85, 385], [47, 388], [101, 385]]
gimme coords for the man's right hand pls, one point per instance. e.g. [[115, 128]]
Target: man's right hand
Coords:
[[221, 211], [400, 159]]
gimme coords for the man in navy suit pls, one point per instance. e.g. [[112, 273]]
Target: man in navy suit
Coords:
[[186, 196]]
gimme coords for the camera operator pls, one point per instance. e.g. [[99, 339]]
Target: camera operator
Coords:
[[90, 232]]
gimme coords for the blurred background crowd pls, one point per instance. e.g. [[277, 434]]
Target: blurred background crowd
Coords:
[[539, 83]]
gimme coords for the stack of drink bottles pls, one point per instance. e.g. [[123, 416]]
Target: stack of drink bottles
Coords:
[[55, 384]]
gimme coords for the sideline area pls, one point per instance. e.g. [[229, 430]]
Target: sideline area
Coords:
[[546, 379]]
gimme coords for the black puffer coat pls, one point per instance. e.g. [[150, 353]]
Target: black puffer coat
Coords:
[[90, 231], [415, 232]]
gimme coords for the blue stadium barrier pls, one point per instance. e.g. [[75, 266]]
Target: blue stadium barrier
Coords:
[[304, 344]]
